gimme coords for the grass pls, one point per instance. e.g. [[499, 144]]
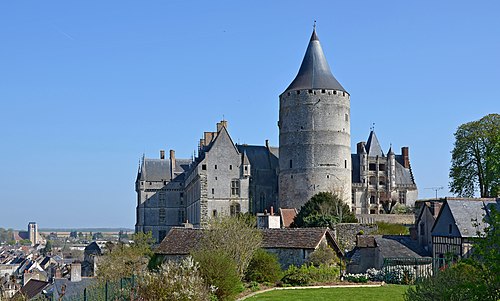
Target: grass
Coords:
[[391, 229], [387, 292]]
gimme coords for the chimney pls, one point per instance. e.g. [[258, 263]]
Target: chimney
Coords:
[[406, 157], [172, 164], [76, 272], [361, 148], [272, 210], [221, 124], [267, 144], [162, 154]]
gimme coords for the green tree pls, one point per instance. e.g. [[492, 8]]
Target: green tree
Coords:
[[234, 236], [264, 267], [323, 255], [124, 260], [475, 162], [486, 252], [219, 272], [324, 210]]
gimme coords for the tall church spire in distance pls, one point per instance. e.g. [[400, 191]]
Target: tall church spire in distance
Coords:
[[314, 72]]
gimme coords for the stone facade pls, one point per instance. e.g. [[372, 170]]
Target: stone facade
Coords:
[[380, 181], [216, 182], [314, 156]]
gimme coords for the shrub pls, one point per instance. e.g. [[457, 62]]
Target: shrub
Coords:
[[458, 282], [356, 278], [297, 276], [264, 267], [323, 255], [219, 271], [173, 282], [324, 273], [308, 274]]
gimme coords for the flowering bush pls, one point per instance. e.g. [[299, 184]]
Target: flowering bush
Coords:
[[173, 282], [356, 278]]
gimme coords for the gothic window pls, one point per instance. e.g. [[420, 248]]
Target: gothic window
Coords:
[[215, 166], [213, 191], [346, 117], [162, 214], [381, 167], [372, 167], [372, 199], [234, 209], [373, 181], [381, 181], [203, 167], [181, 216], [402, 197], [214, 213], [235, 187], [161, 199], [230, 167], [345, 163], [262, 201]]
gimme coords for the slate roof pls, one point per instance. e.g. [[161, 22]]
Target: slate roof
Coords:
[[373, 146], [403, 175], [73, 289], [399, 246], [314, 72], [93, 248], [260, 157], [157, 170], [464, 211], [356, 177], [180, 241]]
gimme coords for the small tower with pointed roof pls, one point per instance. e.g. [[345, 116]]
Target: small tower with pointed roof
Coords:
[[314, 133]]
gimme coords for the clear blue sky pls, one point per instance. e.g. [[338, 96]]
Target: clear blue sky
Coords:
[[87, 87]]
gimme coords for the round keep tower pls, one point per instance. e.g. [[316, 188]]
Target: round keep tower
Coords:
[[314, 133]]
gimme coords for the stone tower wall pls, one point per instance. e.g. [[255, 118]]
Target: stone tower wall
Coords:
[[315, 145]]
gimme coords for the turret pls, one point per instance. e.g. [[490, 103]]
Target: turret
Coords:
[[314, 125]]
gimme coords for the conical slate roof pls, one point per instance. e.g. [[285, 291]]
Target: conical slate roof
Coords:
[[314, 73], [373, 146]]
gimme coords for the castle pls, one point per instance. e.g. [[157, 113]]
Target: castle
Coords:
[[314, 155]]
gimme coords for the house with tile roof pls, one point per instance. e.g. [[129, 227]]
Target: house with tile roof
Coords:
[[292, 245]]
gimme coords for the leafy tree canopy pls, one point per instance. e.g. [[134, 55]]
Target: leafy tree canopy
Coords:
[[234, 236], [475, 162], [124, 261], [324, 210]]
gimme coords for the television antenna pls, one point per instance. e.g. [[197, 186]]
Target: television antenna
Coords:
[[436, 189]]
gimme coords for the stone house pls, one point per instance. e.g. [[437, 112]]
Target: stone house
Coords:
[[292, 245], [458, 223], [375, 251]]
